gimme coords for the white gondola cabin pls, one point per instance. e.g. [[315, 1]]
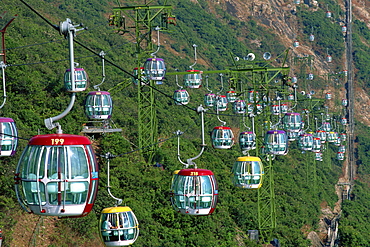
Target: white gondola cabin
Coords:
[[328, 14], [305, 142], [290, 97], [57, 175], [343, 137], [118, 226], [8, 137], [310, 76], [81, 80], [329, 58], [292, 122], [155, 69], [247, 140], [328, 95], [340, 156], [276, 142], [332, 136], [326, 126], [139, 74], [239, 106], [193, 80], [194, 191], [231, 96], [253, 96], [296, 43], [321, 134], [343, 121], [316, 147], [209, 99], [248, 172], [284, 108], [275, 109], [221, 103], [222, 137], [318, 156], [312, 37], [98, 105], [344, 102], [181, 97]]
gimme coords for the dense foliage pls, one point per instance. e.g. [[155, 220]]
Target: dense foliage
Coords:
[[38, 56]]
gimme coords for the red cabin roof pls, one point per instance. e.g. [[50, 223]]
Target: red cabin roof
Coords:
[[195, 172], [59, 140]]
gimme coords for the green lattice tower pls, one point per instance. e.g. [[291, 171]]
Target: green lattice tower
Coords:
[[144, 19]]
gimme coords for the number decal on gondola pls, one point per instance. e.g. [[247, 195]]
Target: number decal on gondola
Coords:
[[57, 141], [193, 173]]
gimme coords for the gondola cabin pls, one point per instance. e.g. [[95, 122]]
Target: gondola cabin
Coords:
[[194, 191], [250, 108], [253, 96], [193, 80], [139, 75], [344, 29], [98, 105], [340, 156], [312, 37], [337, 142], [275, 109], [294, 79], [239, 106], [321, 134], [318, 156], [247, 140], [284, 108], [332, 136], [328, 95], [292, 122], [290, 97], [155, 69], [259, 108], [292, 136], [296, 43], [181, 97], [8, 137], [344, 102], [316, 146], [81, 80], [310, 76], [221, 103], [342, 149], [326, 126], [345, 72], [231, 96], [222, 137], [344, 121], [305, 142], [343, 137], [328, 14], [297, 1], [209, 99], [329, 58], [248, 172], [118, 226], [276, 142], [57, 175]]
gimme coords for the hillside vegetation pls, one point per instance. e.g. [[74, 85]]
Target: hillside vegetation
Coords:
[[37, 57]]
